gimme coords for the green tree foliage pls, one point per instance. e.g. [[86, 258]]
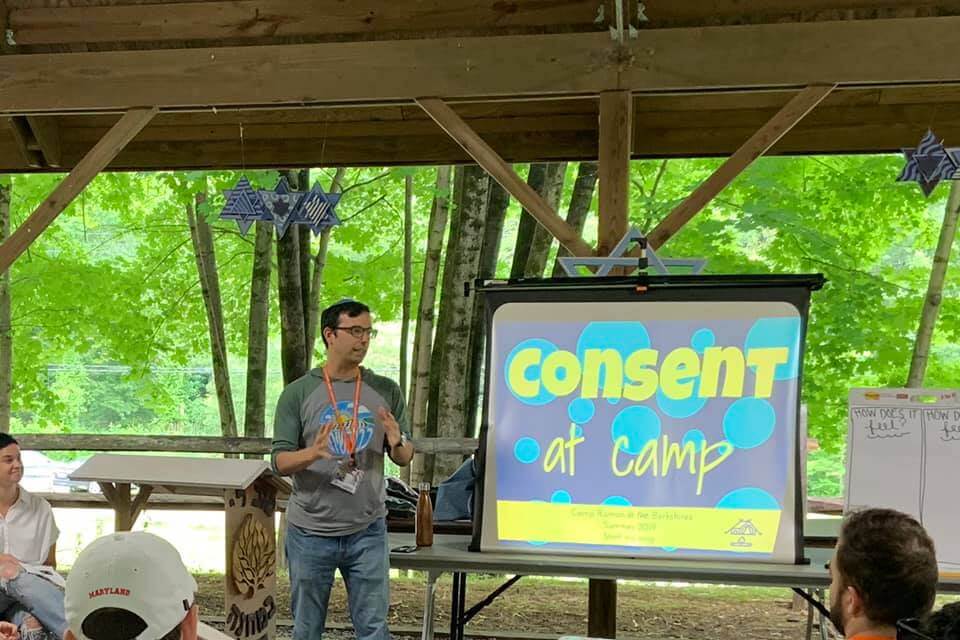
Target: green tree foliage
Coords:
[[112, 281], [844, 217]]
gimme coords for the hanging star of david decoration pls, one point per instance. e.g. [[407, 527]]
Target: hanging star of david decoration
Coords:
[[243, 205], [282, 206], [930, 163], [281, 203], [316, 209], [617, 258]]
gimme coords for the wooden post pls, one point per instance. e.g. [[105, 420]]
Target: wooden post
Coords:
[[250, 595], [126, 510], [758, 144], [616, 117], [503, 173], [602, 609], [102, 154]]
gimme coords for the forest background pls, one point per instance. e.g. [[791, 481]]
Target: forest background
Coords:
[[140, 312]]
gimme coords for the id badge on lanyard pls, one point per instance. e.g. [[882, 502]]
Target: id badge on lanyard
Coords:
[[348, 474]]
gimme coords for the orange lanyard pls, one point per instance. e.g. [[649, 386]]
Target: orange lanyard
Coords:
[[349, 437]]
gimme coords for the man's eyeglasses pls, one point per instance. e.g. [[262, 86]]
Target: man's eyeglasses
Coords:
[[359, 332]]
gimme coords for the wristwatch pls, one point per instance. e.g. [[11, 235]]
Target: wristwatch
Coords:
[[403, 440]]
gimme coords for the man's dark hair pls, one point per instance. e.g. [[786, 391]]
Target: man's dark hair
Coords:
[[889, 558], [6, 440], [943, 624], [330, 317]]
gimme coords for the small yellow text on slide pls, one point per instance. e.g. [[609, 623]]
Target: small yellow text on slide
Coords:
[[701, 528]]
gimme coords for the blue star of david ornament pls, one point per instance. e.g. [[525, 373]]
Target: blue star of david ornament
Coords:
[[281, 203], [316, 209], [243, 205], [930, 163]]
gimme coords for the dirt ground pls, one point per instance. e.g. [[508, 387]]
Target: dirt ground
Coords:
[[554, 608]]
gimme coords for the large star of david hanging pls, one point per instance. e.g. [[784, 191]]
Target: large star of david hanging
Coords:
[[316, 209], [930, 163], [282, 206], [243, 205], [656, 264], [281, 203]]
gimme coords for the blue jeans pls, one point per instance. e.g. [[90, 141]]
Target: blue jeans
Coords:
[[29, 593], [364, 562]]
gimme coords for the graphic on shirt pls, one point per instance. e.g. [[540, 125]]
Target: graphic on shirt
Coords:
[[337, 437]]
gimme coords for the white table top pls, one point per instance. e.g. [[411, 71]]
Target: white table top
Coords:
[[176, 471]]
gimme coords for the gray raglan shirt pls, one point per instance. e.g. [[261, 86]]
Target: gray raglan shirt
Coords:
[[304, 405]]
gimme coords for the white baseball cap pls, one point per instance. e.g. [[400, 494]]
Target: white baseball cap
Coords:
[[136, 572]]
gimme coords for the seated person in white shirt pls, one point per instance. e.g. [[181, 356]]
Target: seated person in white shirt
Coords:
[[31, 591], [131, 585]]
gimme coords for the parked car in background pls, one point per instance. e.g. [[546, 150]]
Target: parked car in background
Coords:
[[43, 475]]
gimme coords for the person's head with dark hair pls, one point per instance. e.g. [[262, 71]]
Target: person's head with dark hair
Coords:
[[346, 329], [943, 624], [884, 569], [336, 318], [132, 585], [11, 466]]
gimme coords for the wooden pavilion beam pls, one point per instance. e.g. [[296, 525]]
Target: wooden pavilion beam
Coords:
[[96, 159], [257, 20], [20, 131], [47, 134], [251, 19], [758, 144], [616, 117], [856, 52], [503, 173]]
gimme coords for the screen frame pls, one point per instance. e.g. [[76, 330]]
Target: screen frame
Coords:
[[794, 289]]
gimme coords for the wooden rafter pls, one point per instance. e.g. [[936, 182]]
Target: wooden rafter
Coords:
[[756, 146], [20, 131], [859, 52], [96, 159], [47, 135], [503, 173], [252, 19]]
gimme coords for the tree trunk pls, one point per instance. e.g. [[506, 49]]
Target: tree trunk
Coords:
[[580, 201], [497, 203], [423, 335], [299, 180], [436, 355], [407, 278], [554, 174], [259, 331], [293, 344], [531, 236], [319, 262], [206, 260], [456, 313], [931, 304], [6, 335]]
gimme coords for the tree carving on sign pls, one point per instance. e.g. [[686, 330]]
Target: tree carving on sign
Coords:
[[254, 553]]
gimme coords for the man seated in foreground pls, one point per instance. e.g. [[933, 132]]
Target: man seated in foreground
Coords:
[[131, 585], [884, 569], [31, 591], [939, 625]]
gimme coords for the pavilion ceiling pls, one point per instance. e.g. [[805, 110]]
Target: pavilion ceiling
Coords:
[[330, 82]]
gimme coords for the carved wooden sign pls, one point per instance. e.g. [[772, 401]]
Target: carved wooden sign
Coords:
[[251, 580]]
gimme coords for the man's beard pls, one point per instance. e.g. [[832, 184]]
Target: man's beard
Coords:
[[836, 616]]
